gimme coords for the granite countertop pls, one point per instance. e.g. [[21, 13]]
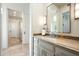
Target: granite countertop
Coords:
[[68, 43]]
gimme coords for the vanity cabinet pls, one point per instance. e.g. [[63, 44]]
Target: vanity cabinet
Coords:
[[45, 48], [36, 47], [45, 52], [42, 48], [59, 51]]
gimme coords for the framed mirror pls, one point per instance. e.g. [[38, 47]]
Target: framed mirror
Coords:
[[76, 11], [59, 18]]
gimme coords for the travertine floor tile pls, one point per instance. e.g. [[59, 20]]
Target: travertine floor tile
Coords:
[[18, 50], [12, 41]]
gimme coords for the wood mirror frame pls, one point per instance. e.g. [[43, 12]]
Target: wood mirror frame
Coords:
[[76, 17]]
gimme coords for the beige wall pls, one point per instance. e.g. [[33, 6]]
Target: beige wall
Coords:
[[37, 14], [38, 11]]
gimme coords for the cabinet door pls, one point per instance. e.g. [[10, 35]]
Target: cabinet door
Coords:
[[45, 48], [36, 47], [46, 45], [62, 52], [44, 52]]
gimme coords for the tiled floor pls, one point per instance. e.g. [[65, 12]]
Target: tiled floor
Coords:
[[14, 41], [17, 50]]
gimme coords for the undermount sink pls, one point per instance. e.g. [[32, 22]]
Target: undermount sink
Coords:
[[51, 36]]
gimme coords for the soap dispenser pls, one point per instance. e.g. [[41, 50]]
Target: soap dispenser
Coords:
[[43, 31]]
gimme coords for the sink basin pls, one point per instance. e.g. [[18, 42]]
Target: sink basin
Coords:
[[51, 36]]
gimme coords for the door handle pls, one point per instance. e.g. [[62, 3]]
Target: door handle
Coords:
[[24, 32]]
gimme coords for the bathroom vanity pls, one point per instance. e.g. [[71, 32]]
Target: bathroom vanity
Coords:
[[58, 22], [49, 46]]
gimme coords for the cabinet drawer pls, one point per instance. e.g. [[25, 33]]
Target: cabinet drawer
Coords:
[[44, 52], [46, 45], [62, 52]]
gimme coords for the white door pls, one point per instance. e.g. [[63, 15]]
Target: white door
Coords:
[[14, 28]]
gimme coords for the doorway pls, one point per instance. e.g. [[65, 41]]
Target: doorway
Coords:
[[15, 35], [14, 28]]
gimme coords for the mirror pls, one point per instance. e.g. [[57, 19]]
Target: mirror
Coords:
[[58, 18], [76, 11]]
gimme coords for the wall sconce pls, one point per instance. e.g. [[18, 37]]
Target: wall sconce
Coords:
[[14, 13], [1, 10], [76, 11]]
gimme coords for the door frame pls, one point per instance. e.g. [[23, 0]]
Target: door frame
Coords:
[[8, 25]]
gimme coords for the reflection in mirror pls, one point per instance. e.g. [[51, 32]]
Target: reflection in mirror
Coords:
[[58, 18], [77, 11]]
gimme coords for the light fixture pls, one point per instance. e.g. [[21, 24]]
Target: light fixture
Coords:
[[14, 13], [42, 20], [1, 10]]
